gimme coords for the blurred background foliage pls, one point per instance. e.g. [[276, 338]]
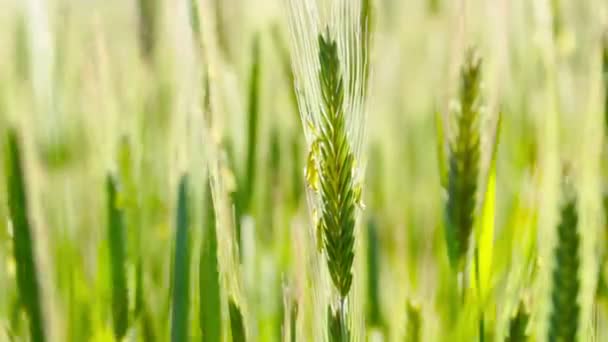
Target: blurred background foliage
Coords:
[[149, 90]]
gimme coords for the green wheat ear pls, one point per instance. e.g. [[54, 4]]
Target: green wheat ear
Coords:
[[518, 325], [563, 321], [116, 238], [464, 163], [337, 326], [181, 262], [27, 277], [335, 171], [237, 326]]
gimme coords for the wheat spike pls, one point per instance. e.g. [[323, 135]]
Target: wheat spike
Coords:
[[464, 163]]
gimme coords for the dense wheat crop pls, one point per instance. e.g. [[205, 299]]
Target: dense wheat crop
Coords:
[[303, 170]]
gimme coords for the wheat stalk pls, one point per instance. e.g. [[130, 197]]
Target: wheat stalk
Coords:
[[116, 239]]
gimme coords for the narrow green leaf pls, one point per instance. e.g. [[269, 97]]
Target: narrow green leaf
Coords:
[[293, 321], [518, 325], [116, 239], [181, 275], [27, 277], [412, 330], [374, 317], [210, 302], [485, 237], [252, 128], [236, 323]]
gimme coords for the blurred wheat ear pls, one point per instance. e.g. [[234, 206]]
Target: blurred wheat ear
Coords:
[[210, 301], [518, 325], [181, 262], [116, 239], [464, 163], [237, 326], [564, 318], [27, 276]]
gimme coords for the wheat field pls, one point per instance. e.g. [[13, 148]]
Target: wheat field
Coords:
[[303, 170]]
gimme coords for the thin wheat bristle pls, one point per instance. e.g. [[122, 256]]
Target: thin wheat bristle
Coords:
[[463, 166]]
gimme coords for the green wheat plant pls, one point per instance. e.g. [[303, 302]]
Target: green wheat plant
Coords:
[[463, 164], [331, 68]]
